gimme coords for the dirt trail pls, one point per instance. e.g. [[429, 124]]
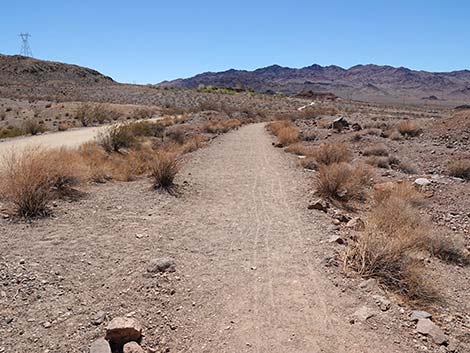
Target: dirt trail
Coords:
[[69, 138], [248, 266], [252, 263]]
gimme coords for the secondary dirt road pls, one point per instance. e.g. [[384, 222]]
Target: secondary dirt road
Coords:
[[248, 275], [71, 138]]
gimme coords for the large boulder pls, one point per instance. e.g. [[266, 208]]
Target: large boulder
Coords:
[[429, 328]]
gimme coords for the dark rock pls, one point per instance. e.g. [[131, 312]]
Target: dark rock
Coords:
[[339, 124]]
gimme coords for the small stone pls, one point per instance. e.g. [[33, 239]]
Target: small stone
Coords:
[[320, 205], [422, 182], [132, 347], [139, 236], [382, 302], [336, 239], [100, 346], [22, 261], [429, 328], [368, 284], [122, 330], [46, 324], [356, 224], [419, 314], [99, 318], [362, 314], [161, 265]]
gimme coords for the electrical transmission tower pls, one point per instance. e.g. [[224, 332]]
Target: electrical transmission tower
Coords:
[[25, 48]]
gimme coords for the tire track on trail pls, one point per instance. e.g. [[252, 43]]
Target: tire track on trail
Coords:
[[249, 264]]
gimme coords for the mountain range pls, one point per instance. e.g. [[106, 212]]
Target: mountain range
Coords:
[[367, 82]]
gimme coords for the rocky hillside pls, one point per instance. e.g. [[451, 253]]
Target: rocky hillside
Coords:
[[369, 82], [18, 69]]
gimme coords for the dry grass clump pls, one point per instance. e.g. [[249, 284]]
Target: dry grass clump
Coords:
[[449, 248], [342, 181], [300, 149], [460, 168], [376, 150], [11, 131], [164, 169], [221, 126], [97, 161], [285, 131], [408, 128], [379, 162], [33, 127], [32, 178], [329, 153], [26, 182], [309, 163], [395, 231], [193, 143], [401, 190]]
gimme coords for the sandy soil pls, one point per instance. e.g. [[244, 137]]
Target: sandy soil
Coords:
[[248, 275]]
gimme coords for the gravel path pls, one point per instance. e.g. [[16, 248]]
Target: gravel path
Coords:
[[248, 274]]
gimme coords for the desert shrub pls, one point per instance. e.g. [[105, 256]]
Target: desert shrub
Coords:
[[221, 126], [342, 181], [405, 167], [146, 129], [97, 161], [384, 250], [300, 149], [66, 171], [401, 190], [176, 134], [33, 127], [193, 143], [379, 162], [309, 163], [448, 247], [460, 168], [117, 137], [142, 113], [376, 150], [11, 131], [329, 153], [164, 169], [285, 131], [408, 128], [83, 114], [26, 182], [308, 136]]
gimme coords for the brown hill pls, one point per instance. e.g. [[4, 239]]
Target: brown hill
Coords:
[[20, 69]]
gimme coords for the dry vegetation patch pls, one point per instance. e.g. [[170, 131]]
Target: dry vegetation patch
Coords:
[[460, 168], [285, 131], [342, 181]]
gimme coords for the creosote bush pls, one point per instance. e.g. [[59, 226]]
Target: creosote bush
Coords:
[[118, 137], [33, 127]]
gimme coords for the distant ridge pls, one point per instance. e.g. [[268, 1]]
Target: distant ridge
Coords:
[[367, 82]]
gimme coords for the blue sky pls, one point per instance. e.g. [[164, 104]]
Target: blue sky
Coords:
[[150, 41]]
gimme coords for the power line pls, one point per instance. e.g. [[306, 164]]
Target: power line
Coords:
[[25, 48]]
